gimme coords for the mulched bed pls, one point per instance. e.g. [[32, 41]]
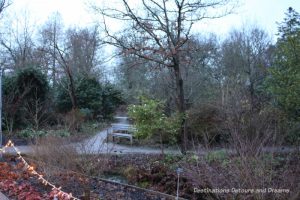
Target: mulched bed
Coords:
[[153, 172], [106, 190], [149, 171], [160, 174], [21, 185]]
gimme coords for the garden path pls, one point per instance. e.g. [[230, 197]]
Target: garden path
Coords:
[[98, 144]]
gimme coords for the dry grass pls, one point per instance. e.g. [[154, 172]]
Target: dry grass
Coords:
[[86, 158], [225, 171]]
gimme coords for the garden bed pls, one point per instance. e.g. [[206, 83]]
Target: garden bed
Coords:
[[19, 184], [155, 173]]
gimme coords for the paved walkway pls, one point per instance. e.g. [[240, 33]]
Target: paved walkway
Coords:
[[3, 197], [98, 144]]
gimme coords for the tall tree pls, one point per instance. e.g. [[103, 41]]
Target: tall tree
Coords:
[[17, 43], [51, 34], [64, 61], [3, 4], [164, 27], [77, 56], [133, 78], [284, 82], [244, 63], [84, 46], [244, 66]]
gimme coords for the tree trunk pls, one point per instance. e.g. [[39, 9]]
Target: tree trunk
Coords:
[[36, 115], [54, 58], [72, 92], [181, 107]]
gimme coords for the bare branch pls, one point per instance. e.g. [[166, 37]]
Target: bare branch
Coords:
[[159, 34], [4, 4]]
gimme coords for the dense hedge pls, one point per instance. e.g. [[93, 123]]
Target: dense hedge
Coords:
[[101, 100]]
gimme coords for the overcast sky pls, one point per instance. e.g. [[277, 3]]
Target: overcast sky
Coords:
[[265, 13]]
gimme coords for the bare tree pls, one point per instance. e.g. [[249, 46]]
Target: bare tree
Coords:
[[77, 56], [244, 59], [164, 27], [36, 111], [17, 42], [51, 34], [84, 45], [65, 63], [248, 119]]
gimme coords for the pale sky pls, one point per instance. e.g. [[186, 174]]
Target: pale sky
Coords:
[[265, 13]]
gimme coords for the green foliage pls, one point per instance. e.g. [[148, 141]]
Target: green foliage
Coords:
[[270, 159], [87, 91], [150, 120], [193, 158], [144, 184], [21, 92], [90, 128], [111, 99], [86, 113], [9, 85], [284, 80], [130, 173], [59, 132], [93, 98], [26, 84], [171, 161], [293, 136], [31, 133], [33, 79], [216, 156]]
